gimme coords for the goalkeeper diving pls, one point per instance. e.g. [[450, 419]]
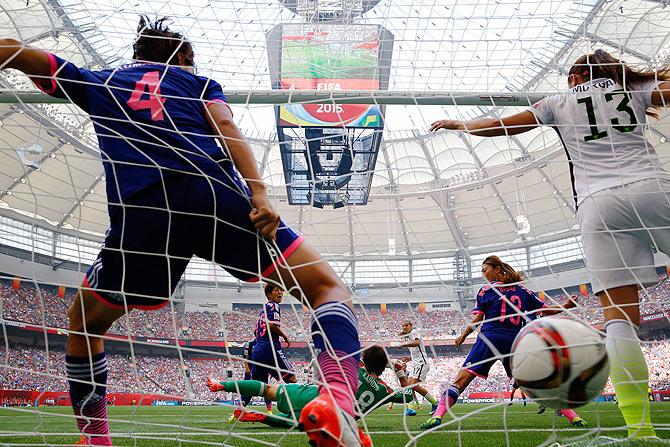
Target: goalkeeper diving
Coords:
[[291, 398]]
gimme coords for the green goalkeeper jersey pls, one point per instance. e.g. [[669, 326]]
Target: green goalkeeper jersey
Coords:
[[372, 393]]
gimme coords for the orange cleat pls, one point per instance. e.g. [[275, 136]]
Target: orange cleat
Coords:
[[94, 440], [327, 426], [214, 385], [251, 417]]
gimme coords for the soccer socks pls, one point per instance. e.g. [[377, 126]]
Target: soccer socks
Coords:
[[569, 414], [630, 376], [448, 400], [335, 337], [245, 387], [430, 399], [280, 420], [87, 378]]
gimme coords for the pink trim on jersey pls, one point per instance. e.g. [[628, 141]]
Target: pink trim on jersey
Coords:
[[106, 303], [477, 312], [219, 101], [475, 373], [285, 255], [53, 68]]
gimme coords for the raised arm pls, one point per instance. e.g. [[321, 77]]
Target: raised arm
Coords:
[[661, 97], [263, 214], [491, 127], [31, 61]]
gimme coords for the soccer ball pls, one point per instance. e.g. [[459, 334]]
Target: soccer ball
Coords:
[[560, 363]]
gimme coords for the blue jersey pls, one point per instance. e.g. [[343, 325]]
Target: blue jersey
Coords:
[[506, 307], [269, 314], [148, 118]]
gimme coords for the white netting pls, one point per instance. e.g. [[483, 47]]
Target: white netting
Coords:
[[411, 226]]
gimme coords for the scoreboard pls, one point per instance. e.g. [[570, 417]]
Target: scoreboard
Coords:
[[332, 57]]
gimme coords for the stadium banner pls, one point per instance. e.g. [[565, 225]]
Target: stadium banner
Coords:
[[166, 403], [16, 283], [200, 403], [62, 398], [655, 316], [61, 291]]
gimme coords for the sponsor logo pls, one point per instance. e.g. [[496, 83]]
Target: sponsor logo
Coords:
[[14, 323], [158, 341]]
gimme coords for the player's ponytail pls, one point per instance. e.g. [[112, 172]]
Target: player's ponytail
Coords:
[[156, 43], [601, 64], [507, 272]]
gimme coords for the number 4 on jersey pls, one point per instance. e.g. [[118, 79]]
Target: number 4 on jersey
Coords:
[[148, 84]]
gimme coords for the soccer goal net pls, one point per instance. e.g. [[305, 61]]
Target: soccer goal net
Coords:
[[120, 188]]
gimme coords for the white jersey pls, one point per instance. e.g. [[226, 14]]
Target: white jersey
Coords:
[[418, 354], [601, 127]]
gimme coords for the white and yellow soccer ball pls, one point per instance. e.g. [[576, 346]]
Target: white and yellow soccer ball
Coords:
[[559, 362]]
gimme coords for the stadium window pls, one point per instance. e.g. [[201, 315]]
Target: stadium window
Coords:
[[76, 249], [25, 236], [432, 269], [556, 252], [382, 272]]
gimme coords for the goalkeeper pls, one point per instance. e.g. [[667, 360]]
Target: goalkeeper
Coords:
[[291, 398]]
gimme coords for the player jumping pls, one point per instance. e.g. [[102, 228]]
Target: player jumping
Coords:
[[504, 310], [172, 193], [621, 192], [417, 367]]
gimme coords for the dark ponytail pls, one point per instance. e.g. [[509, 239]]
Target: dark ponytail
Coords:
[[509, 275], [601, 64], [156, 43]]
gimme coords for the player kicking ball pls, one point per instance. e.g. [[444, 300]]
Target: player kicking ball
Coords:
[[502, 309], [291, 399], [417, 366], [181, 180]]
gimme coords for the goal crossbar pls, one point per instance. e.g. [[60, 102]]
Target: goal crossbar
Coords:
[[270, 97]]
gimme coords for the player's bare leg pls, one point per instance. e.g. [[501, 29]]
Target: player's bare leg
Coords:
[[335, 337], [449, 398], [86, 366], [628, 367]]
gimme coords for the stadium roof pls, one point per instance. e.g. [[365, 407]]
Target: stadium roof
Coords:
[[432, 193]]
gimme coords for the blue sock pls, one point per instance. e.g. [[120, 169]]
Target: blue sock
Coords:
[[87, 378], [335, 328], [335, 337]]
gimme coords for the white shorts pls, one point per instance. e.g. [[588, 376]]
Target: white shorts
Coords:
[[417, 370], [619, 226]]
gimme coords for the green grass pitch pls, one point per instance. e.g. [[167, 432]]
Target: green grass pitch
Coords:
[[197, 426]]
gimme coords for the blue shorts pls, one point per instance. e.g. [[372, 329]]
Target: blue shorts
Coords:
[[266, 365], [157, 230], [481, 357]]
